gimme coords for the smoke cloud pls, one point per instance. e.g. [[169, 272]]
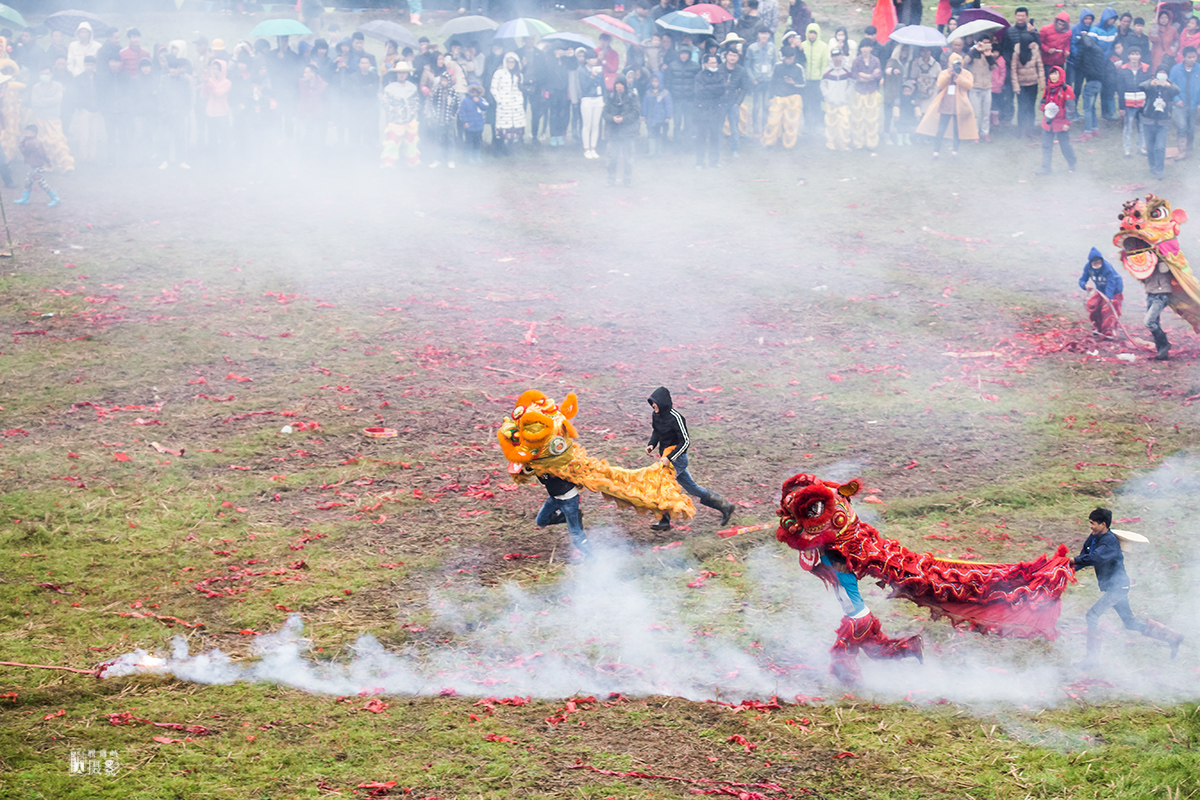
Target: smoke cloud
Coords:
[[643, 622]]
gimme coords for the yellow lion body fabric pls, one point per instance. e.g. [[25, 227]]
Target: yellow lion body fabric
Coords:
[[539, 439], [1149, 235]]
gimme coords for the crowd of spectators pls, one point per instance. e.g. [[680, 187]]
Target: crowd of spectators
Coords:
[[212, 103]]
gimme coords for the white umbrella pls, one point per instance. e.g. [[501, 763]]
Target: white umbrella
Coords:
[[918, 36], [974, 28]]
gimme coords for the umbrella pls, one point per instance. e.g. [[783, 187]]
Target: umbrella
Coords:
[[573, 38], [613, 27], [713, 14], [68, 21], [918, 36], [280, 27], [972, 14], [13, 16], [973, 28], [386, 31], [523, 28], [472, 23], [684, 22]]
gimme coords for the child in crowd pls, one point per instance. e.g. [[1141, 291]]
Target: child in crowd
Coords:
[[472, 114], [39, 163]]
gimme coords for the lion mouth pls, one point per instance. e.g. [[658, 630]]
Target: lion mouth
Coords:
[[1135, 244]]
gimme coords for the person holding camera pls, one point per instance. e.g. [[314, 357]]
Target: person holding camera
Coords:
[[951, 107], [1055, 124]]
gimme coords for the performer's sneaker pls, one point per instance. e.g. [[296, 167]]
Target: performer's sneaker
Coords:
[[916, 648], [661, 525]]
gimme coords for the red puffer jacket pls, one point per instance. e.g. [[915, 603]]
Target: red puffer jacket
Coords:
[[1059, 93]]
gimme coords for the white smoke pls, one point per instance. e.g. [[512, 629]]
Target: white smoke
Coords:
[[628, 622]]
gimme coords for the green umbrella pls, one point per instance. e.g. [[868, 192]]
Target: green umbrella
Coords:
[[280, 27], [13, 16]]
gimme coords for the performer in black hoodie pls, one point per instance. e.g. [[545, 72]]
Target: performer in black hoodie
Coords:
[[670, 436]]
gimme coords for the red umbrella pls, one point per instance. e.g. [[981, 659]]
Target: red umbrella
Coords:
[[613, 27], [712, 14]]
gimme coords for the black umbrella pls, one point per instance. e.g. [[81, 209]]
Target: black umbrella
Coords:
[[387, 31], [68, 21]]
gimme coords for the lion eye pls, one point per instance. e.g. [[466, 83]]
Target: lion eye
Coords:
[[815, 509], [1159, 213]]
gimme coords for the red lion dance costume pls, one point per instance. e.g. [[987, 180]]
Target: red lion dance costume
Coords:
[[1021, 600]]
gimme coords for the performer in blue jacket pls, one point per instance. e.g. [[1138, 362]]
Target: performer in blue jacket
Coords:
[[1104, 307]]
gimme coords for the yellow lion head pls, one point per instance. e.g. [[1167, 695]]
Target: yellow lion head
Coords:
[[1146, 223], [537, 429]]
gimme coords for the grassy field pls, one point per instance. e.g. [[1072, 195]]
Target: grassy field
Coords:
[[915, 324]]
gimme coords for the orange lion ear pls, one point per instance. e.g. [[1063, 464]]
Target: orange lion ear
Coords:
[[570, 406], [850, 488]]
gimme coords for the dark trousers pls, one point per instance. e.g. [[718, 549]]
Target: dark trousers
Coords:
[[620, 147], [944, 121], [560, 114], [708, 137], [1026, 109], [1064, 144]]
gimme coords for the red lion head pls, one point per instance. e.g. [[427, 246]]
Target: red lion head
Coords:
[[814, 513]]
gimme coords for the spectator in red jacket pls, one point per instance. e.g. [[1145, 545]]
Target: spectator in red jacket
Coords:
[[1056, 42]]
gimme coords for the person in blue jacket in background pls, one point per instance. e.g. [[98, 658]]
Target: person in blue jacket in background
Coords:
[[1102, 551], [1105, 33], [1104, 307]]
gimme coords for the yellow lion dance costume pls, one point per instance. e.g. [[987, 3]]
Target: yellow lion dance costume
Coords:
[[1149, 238], [538, 438]]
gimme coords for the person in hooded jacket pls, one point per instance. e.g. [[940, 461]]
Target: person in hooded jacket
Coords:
[[657, 110], [1164, 42], [814, 56], [1086, 18], [623, 122], [1104, 306], [680, 76], [1105, 33], [670, 436], [174, 106], [1017, 47], [1055, 124], [509, 129], [1091, 66], [84, 45], [1056, 42], [712, 84]]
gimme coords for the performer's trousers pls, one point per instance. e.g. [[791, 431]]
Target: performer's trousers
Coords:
[[865, 634], [1156, 302], [837, 127], [1104, 313], [1117, 599], [786, 117], [866, 120], [556, 512]]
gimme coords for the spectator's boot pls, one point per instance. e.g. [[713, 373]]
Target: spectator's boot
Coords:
[[1091, 660], [53, 199], [1164, 346], [715, 501], [1156, 630], [24, 201], [663, 524]]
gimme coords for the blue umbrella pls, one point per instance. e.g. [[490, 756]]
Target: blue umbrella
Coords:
[[685, 22], [280, 27]]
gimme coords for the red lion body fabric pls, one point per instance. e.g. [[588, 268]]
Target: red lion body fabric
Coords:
[[1019, 600]]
